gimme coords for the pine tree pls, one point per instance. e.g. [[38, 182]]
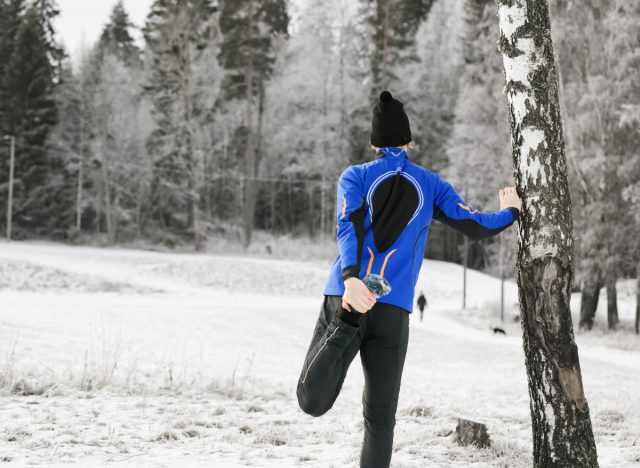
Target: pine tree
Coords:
[[247, 54], [47, 11], [30, 114], [11, 12], [387, 30], [116, 38], [181, 36], [394, 24]]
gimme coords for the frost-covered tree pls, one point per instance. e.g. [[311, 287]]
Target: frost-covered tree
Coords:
[[394, 24], [110, 130], [11, 12], [596, 50], [116, 38], [562, 433], [69, 140], [29, 113], [317, 70], [122, 169], [478, 147], [181, 38], [387, 44], [435, 93], [247, 54]]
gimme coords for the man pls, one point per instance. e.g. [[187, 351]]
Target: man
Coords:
[[422, 303], [384, 208]]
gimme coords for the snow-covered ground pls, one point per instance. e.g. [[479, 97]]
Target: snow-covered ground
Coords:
[[151, 359]]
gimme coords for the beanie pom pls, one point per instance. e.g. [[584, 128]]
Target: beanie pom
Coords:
[[385, 96]]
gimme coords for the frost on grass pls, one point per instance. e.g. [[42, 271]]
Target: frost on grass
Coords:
[[31, 277], [204, 375]]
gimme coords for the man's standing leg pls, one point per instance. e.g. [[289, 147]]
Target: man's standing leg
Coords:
[[382, 353], [333, 346]]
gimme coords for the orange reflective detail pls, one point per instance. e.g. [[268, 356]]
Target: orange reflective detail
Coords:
[[384, 265], [344, 206], [370, 261], [465, 207]]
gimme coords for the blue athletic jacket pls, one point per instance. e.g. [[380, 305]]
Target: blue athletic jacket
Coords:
[[384, 208]]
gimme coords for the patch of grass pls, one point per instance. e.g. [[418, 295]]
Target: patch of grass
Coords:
[[610, 417], [166, 436], [271, 439], [282, 422], [419, 411], [191, 433], [228, 390], [18, 435], [24, 388]]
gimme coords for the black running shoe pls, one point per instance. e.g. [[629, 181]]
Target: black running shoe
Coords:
[[377, 284]]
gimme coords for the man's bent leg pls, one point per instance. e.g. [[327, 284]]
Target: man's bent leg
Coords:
[[333, 346], [382, 353]]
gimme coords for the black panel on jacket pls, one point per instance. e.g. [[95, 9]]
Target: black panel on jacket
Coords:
[[469, 227], [393, 204], [357, 219]]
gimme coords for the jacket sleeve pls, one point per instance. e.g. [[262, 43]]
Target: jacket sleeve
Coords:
[[452, 210], [350, 227]]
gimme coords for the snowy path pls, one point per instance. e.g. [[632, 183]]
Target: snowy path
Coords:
[[192, 369]]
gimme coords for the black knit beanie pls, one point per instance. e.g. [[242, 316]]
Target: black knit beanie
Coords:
[[390, 125]]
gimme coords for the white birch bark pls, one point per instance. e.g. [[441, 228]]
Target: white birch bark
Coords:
[[562, 433]]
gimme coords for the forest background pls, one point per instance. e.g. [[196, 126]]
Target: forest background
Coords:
[[227, 127]]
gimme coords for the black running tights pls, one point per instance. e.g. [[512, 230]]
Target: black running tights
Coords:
[[381, 338]]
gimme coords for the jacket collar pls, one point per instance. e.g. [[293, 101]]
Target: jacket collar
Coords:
[[392, 152]]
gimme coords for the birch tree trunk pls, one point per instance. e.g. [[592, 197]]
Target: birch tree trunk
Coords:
[[562, 434]]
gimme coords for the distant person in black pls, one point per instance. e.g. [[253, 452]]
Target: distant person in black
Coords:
[[422, 303]]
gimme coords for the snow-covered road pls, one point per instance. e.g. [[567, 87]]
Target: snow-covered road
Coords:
[[192, 359]]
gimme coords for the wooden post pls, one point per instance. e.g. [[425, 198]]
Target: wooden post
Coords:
[[12, 158], [464, 272], [80, 174], [465, 264], [638, 299], [502, 278]]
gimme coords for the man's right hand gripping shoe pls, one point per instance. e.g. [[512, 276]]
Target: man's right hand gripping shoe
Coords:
[[360, 296]]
